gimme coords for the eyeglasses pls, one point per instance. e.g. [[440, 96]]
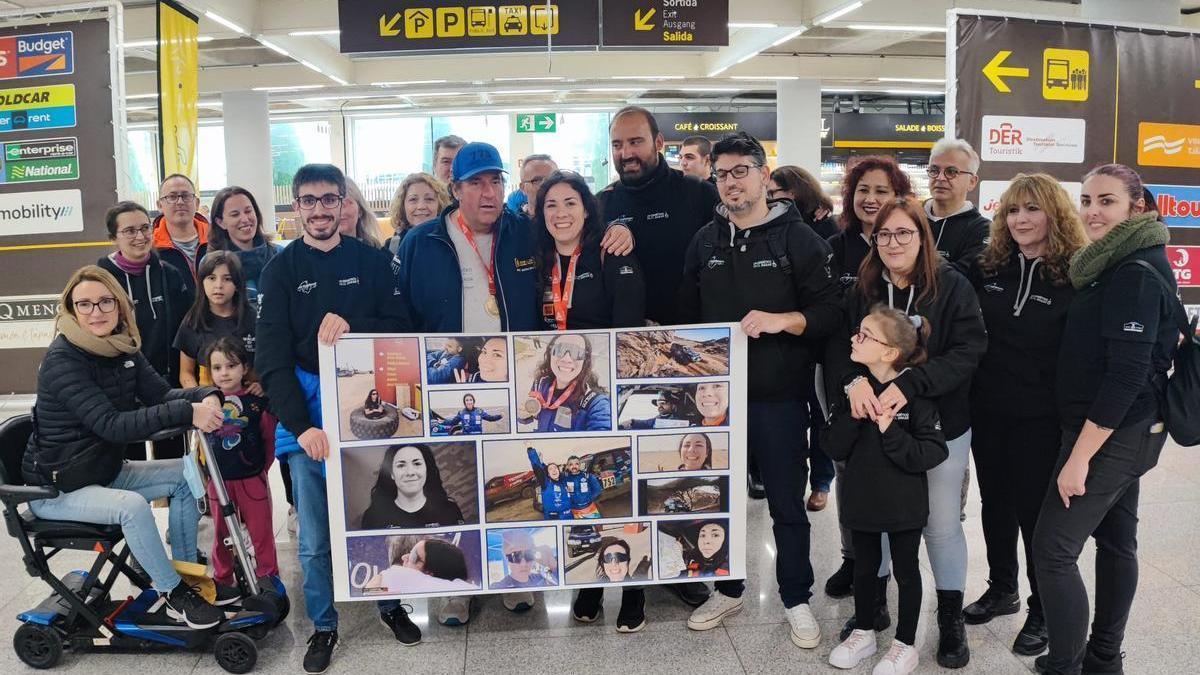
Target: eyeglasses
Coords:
[[739, 171], [619, 557], [860, 336], [886, 237], [950, 172], [560, 350], [517, 557], [309, 202], [107, 306], [534, 181], [178, 197], [134, 232]]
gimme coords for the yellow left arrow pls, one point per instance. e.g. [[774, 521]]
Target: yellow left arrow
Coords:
[[388, 28], [995, 70], [642, 21]]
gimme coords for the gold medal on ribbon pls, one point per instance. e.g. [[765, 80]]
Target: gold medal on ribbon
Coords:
[[491, 306]]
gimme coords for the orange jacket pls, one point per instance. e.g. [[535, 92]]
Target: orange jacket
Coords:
[[171, 254]]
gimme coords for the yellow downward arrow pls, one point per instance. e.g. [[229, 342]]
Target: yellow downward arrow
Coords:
[[388, 28], [642, 22], [994, 70]]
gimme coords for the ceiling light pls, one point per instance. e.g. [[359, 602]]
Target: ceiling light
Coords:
[[915, 92], [752, 24], [746, 57], [224, 22], [649, 77], [137, 96], [609, 89], [789, 37], [504, 92], [718, 71], [897, 28], [273, 47], [551, 78], [141, 44], [406, 83], [309, 33], [709, 89], [337, 97], [311, 66], [422, 94], [140, 107], [917, 80], [294, 87], [337, 79], [838, 13], [765, 77]]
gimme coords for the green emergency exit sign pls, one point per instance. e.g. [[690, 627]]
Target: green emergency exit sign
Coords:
[[537, 123]]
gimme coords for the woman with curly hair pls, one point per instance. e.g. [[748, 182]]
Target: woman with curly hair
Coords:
[[419, 198], [870, 183], [1024, 292]]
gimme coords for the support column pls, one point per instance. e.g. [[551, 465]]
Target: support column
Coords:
[[798, 123], [248, 148], [1158, 12], [337, 142]]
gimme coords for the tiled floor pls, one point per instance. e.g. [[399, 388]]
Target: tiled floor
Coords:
[[1162, 635]]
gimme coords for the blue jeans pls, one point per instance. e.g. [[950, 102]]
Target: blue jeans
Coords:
[[316, 555], [126, 502]]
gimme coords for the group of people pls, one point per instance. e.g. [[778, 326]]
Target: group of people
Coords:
[[1038, 342]]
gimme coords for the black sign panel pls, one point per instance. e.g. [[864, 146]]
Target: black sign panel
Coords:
[[666, 23], [714, 126], [870, 130], [440, 25]]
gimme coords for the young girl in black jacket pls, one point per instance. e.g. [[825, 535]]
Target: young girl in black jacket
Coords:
[[885, 489]]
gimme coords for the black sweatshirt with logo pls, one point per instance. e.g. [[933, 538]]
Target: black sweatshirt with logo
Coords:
[[729, 272], [297, 289], [850, 249], [961, 236], [664, 211], [160, 298], [1025, 314], [957, 342], [608, 291]]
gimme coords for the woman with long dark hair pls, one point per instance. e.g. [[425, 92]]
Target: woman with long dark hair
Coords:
[[1117, 347], [905, 272], [581, 286], [695, 452], [614, 562], [220, 310], [373, 406], [408, 492], [708, 556], [239, 228], [1024, 292], [800, 186], [566, 393]]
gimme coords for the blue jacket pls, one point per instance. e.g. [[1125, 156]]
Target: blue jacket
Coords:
[[441, 366], [431, 279], [584, 488], [472, 420], [285, 441], [556, 501], [595, 415]]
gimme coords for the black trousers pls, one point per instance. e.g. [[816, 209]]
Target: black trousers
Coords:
[[1014, 460], [1107, 511], [868, 554], [776, 436]]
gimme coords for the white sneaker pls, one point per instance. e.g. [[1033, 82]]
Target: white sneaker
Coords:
[[900, 660], [518, 602], [714, 610], [456, 611], [806, 632], [857, 646], [293, 522]]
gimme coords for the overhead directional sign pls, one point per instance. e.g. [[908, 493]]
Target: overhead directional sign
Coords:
[[996, 71], [440, 25], [537, 123], [665, 23]]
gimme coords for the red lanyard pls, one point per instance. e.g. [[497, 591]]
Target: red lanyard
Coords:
[[462, 225], [557, 402], [562, 297]]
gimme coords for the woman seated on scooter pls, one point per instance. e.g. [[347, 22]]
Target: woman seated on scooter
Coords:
[[96, 393]]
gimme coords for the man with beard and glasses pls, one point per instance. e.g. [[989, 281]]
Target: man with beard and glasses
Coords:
[[317, 289], [759, 263]]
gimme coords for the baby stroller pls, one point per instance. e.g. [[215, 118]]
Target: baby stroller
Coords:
[[80, 614]]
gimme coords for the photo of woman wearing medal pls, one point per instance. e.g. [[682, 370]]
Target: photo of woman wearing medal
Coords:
[[565, 383]]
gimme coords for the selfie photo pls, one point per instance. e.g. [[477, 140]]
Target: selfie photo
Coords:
[[690, 549], [607, 554], [672, 406], [379, 388], [522, 557], [410, 485], [562, 382], [684, 352], [414, 564], [557, 479], [456, 360], [468, 412], [683, 452]]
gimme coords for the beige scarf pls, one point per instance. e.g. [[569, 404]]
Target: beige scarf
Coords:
[[116, 344]]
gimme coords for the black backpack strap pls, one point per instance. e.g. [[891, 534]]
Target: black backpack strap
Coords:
[[777, 244], [1179, 313]]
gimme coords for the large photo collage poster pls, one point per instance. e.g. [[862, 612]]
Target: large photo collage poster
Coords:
[[490, 463]]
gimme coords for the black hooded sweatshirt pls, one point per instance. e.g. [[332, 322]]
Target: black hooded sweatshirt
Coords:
[[956, 343], [1025, 314], [160, 298], [850, 248], [780, 265], [960, 237], [663, 210]]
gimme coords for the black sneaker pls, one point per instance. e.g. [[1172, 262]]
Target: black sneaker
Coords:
[[883, 620], [755, 488], [1096, 664], [994, 602], [586, 608], [632, 617], [227, 595], [406, 632], [692, 593], [320, 650], [1033, 638], [185, 604], [841, 584]]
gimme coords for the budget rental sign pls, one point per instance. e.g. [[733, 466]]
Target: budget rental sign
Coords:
[[37, 55]]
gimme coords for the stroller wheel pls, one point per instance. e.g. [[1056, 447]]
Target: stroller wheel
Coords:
[[38, 646], [235, 652]]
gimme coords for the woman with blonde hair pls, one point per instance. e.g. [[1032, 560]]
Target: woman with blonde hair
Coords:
[[1024, 292], [357, 219], [419, 198], [96, 393]]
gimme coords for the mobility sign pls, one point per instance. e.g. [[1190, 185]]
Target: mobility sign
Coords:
[[29, 108], [37, 55], [1054, 95], [440, 25], [666, 23], [40, 160]]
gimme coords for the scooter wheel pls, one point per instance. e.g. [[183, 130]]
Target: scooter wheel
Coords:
[[235, 652], [285, 607], [38, 646]]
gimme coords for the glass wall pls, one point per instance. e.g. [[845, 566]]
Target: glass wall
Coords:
[[210, 159], [581, 145], [141, 165], [294, 144]]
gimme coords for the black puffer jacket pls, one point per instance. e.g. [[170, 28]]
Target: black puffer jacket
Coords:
[[89, 404]]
